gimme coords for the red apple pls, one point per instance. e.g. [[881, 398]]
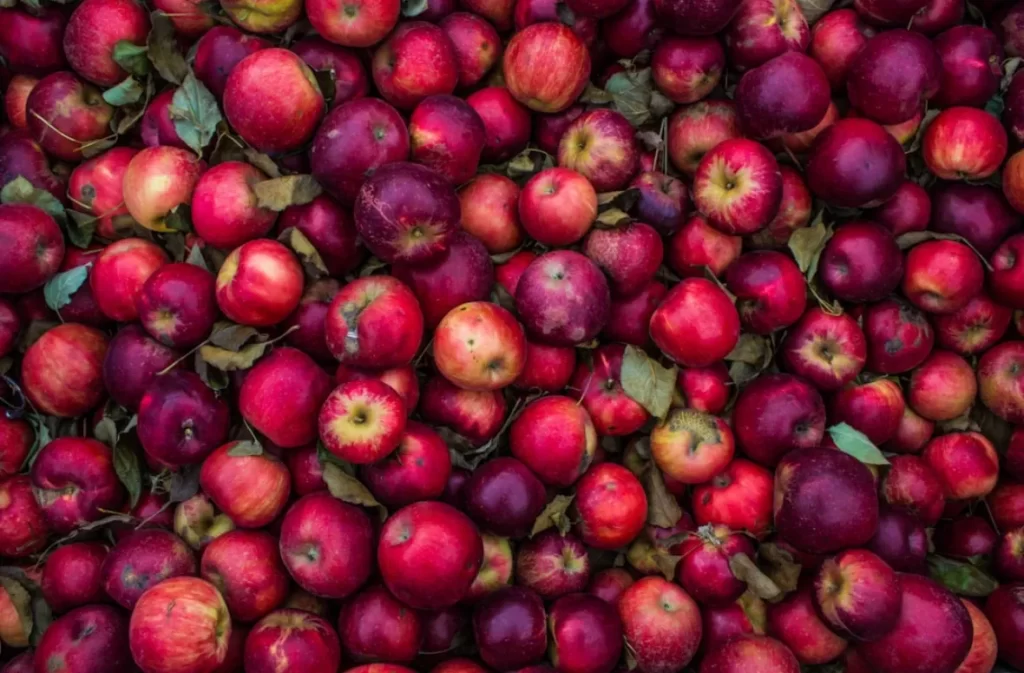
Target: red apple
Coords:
[[418, 469], [119, 273], [67, 116], [855, 163], [218, 51], [765, 108], [612, 506], [506, 122], [224, 209], [971, 72], [553, 564], [738, 187], [770, 290], [697, 18], [291, 640], [899, 336], [22, 521], [180, 420], [696, 324], [61, 373], [353, 24], [858, 595], [694, 130], [31, 41], [177, 306], [562, 299], [909, 209], [447, 135], [893, 75], [250, 488], [490, 214], [157, 182], [141, 560], [556, 439], [586, 634], [259, 284], [476, 415], [282, 395], [510, 628], [835, 39], [704, 570], [96, 186], [557, 206], [31, 247], [796, 623], [966, 464], [546, 66], [698, 245], [740, 498], [89, 639], [628, 317], [476, 43], [661, 625], [347, 70], [417, 60], [964, 143], [999, 381]]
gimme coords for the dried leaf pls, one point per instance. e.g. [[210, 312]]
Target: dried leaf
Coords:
[[647, 381], [815, 9], [20, 190], [853, 442], [81, 228], [347, 488], [247, 448], [21, 600], [612, 218], [126, 93], [312, 262], [995, 428], [262, 162], [230, 360], [179, 219], [195, 258], [595, 96], [745, 570], [291, 190], [134, 58], [780, 566], [163, 49], [807, 244], [666, 563], [961, 577], [555, 515], [233, 337], [195, 113], [59, 290], [184, 484], [751, 356], [42, 617], [1010, 67], [631, 95], [663, 509]]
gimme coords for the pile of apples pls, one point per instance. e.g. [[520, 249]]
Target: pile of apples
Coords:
[[461, 336]]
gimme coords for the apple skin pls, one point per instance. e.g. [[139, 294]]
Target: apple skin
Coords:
[[907, 647], [909, 209], [31, 41], [738, 187], [861, 263], [610, 584], [750, 654], [476, 44], [350, 79], [327, 545], [476, 415], [681, 327], [373, 626], [801, 517], [600, 145], [401, 379], [246, 568], [552, 564], [188, 20], [362, 421], [691, 446], [282, 395], [181, 624], [1007, 276], [999, 382], [740, 497], [120, 271], [586, 634], [697, 245], [418, 469], [141, 560], [504, 497], [555, 437], [415, 62], [259, 284], [984, 648], [359, 24], [943, 387], [506, 121], [703, 17], [776, 414], [964, 143], [157, 181], [965, 537], [704, 570], [549, 128], [65, 115], [510, 628], [724, 622], [629, 317], [354, 140], [765, 29], [971, 71], [89, 639], [899, 337], [480, 346], [62, 372], [796, 624], [874, 408], [966, 464], [198, 523], [858, 595], [92, 32], [176, 305], [272, 100], [557, 206], [218, 51], [97, 188], [913, 486], [696, 129], [686, 70], [632, 30], [32, 247], [855, 163], [562, 299], [546, 66], [22, 663], [224, 210], [380, 310], [704, 388], [447, 135], [180, 420], [251, 489], [630, 255], [490, 214], [663, 203], [22, 521], [942, 276], [794, 213], [546, 368], [16, 439], [608, 521], [156, 126], [770, 291], [600, 391], [893, 75], [836, 38], [661, 625], [72, 578], [288, 640], [764, 107], [441, 543]]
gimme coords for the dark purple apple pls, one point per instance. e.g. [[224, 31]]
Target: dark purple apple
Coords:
[[855, 163], [893, 76], [504, 497], [563, 299], [765, 102], [181, 421], [510, 628], [861, 263], [979, 213], [586, 634]]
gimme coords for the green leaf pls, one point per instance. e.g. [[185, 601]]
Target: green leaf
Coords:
[[126, 93], [229, 361], [163, 49], [43, 436], [134, 58], [555, 515], [915, 237], [312, 262], [961, 577], [242, 449], [647, 381], [347, 488], [59, 289], [995, 105], [291, 190], [179, 219], [632, 96], [233, 337], [814, 9], [20, 190], [780, 566], [195, 113], [81, 228], [126, 465], [745, 570], [195, 258], [751, 356], [807, 244], [855, 443], [411, 8]]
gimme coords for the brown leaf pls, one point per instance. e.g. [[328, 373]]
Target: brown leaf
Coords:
[[347, 488], [291, 190], [312, 262], [247, 448], [233, 337], [666, 563], [663, 510], [163, 49], [262, 162], [228, 360], [745, 570], [807, 244], [22, 602], [555, 515], [647, 382], [780, 566]]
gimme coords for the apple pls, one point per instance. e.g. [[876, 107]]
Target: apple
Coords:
[[938, 15], [93, 32], [157, 182], [224, 209], [507, 122], [908, 647], [765, 108], [632, 30], [696, 324], [282, 395], [1000, 384], [874, 408], [66, 116], [750, 653], [971, 72], [504, 497], [899, 337], [22, 520], [586, 634], [861, 263], [610, 585], [765, 29], [259, 284], [31, 42], [738, 187], [546, 66], [415, 62], [893, 76], [348, 73], [965, 537], [443, 546], [983, 652], [475, 415], [572, 286], [553, 564], [697, 18], [246, 568], [480, 346], [855, 163], [661, 625], [1007, 276], [489, 204], [442, 631], [329, 227], [964, 143], [198, 523], [20, 155], [913, 486], [724, 622], [141, 560], [96, 187], [180, 420], [250, 488], [176, 305], [16, 439], [696, 129], [600, 146], [901, 541], [549, 128], [362, 421], [156, 126], [698, 245], [909, 209], [89, 639], [476, 44], [555, 437], [71, 576], [966, 464], [795, 622], [61, 373], [218, 51], [401, 379], [447, 135], [119, 273], [32, 247], [327, 545], [943, 387], [858, 595], [374, 626], [557, 206], [600, 391], [836, 38], [942, 276], [740, 498], [794, 212], [663, 202], [704, 570], [418, 469], [353, 24], [687, 70], [288, 640], [776, 414], [546, 368], [629, 317], [704, 388], [510, 628], [770, 290], [181, 624], [691, 446], [1004, 609], [608, 521], [374, 322], [188, 19]]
